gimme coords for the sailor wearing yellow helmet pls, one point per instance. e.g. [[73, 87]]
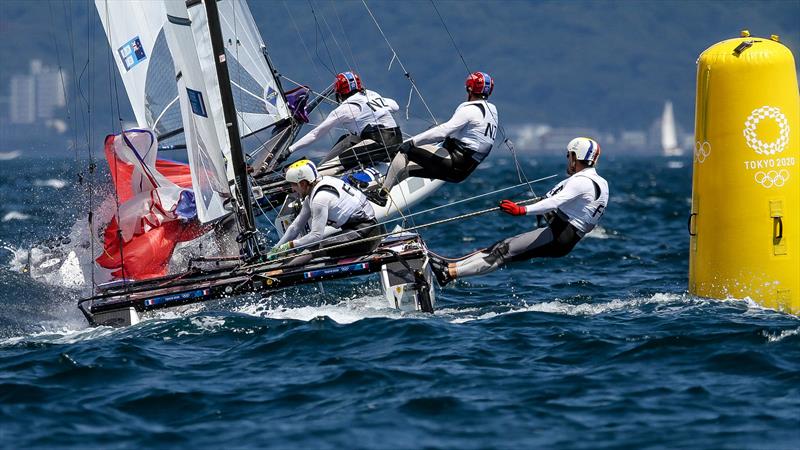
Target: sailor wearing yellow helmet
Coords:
[[327, 201], [572, 209]]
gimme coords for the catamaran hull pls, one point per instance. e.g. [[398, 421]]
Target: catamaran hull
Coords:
[[402, 261]]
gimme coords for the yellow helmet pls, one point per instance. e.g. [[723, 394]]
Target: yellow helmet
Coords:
[[302, 170]]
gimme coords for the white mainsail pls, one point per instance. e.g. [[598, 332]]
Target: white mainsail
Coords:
[[201, 108], [150, 51], [259, 102], [135, 32], [669, 135]]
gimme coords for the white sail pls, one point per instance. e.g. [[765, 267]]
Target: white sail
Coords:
[[201, 108], [669, 138], [256, 94], [135, 32]]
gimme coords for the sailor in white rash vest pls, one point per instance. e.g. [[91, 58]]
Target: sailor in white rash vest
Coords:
[[327, 201], [572, 208], [466, 139], [366, 116]]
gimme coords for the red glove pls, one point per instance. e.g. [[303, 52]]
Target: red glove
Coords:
[[512, 208]]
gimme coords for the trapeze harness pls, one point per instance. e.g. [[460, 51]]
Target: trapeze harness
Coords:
[[375, 122], [352, 213], [558, 238], [465, 150]]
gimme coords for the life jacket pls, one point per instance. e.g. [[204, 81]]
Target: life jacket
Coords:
[[478, 135], [351, 207], [584, 212], [369, 108]]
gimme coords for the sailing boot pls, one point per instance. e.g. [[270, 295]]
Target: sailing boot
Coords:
[[440, 270]]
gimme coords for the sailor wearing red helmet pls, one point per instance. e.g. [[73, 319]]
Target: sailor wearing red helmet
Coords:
[[464, 141], [572, 209], [364, 114]]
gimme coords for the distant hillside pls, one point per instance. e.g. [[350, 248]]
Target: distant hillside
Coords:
[[604, 64]]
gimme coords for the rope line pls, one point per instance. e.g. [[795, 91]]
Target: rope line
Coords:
[[399, 61], [430, 209], [451, 36], [302, 41], [391, 233], [317, 33], [507, 142], [474, 197]]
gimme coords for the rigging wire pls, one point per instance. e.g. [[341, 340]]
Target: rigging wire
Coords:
[[507, 142], [303, 42], [92, 166], [67, 99], [73, 105], [344, 33], [451, 36], [318, 32], [114, 95], [71, 120], [312, 91], [399, 61], [391, 233], [444, 206], [526, 183], [336, 41]]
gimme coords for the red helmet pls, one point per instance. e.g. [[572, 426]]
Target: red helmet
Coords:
[[347, 82], [480, 83]]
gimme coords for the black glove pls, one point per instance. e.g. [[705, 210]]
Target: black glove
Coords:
[[406, 146]]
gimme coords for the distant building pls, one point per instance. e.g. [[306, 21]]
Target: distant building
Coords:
[[557, 138], [544, 138], [633, 139], [527, 136], [37, 95], [22, 104]]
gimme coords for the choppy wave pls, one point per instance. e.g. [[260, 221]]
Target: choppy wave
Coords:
[[604, 344]]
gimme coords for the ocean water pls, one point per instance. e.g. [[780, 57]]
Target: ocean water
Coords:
[[601, 349]]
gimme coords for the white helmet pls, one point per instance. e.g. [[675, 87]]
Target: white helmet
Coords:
[[302, 170], [585, 149]]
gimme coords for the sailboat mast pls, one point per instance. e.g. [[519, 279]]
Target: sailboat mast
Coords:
[[244, 211]]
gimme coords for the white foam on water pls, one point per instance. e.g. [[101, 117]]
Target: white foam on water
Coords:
[[600, 233], [346, 311], [63, 336], [675, 164], [581, 309], [54, 183], [772, 337], [67, 262], [15, 215], [203, 325]]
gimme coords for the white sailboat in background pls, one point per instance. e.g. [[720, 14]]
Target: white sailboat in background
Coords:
[[669, 134]]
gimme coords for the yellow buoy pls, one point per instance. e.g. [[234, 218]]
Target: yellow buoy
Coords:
[[745, 218]]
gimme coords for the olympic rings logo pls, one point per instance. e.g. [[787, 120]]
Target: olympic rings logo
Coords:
[[750, 125], [702, 151], [772, 178]]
